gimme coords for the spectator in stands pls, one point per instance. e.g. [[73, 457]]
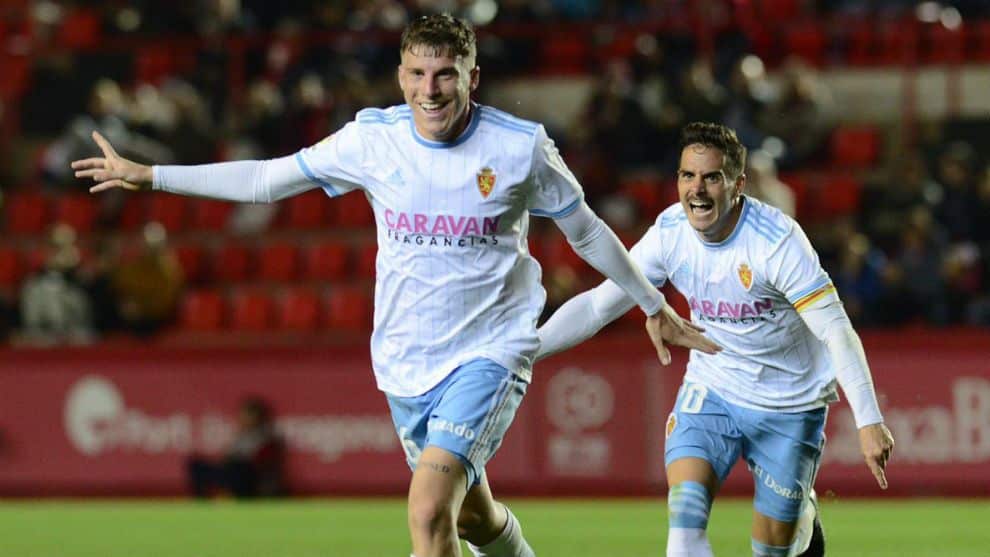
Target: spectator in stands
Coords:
[[905, 185], [956, 173], [802, 115], [763, 184], [96, 276], [859, 279], [54, 305], [252, 466], [919, 264], [148, 287]]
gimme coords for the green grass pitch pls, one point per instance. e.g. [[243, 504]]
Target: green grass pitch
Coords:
[[376, 527]]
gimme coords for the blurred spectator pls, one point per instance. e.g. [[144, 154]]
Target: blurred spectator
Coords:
[[109, 112], [763, 184], [147, 287], [859, 279], [96, 277], [802, 115], [919, 266], [54, 305], [906, 185], [956, 173], [253, 465]]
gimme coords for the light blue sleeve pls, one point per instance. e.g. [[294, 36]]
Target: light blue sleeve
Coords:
[[556, 193], [648, 256], [337, 163]]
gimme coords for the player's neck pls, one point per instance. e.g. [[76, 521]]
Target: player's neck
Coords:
[[722, 233]]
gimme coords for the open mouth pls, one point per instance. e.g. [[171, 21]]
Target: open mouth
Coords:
[[701, 208], [432, 108]]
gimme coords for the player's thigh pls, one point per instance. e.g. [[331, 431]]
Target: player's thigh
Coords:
[[474, 414], [438, 484], [783, 452], [700, 431]]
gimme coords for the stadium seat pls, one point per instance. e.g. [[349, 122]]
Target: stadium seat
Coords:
[[860, 42], [806, 40], [328, 260], [250, 310], [278, 262], [353, 211], [783, 11], [191, 258], [944, 45], [233, 262], [298, 309], [11, 267], [348, 308], [840, 195], [979, 41], [308, 211], [558, 252], [210, 215], [169, 210], [564, 54], [201, 310], [898, 42], [364, 266], [80, 28], [26, 213], [78, 211], [132, 213], [855, 146]]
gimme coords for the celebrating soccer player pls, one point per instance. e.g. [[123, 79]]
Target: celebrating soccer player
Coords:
[[452, 184], [753, 279]]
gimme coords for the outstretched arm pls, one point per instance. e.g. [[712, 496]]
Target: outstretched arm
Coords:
[[243, 181], [597, 244], [832, 326]]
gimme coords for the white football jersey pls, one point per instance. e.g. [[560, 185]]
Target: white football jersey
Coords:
[[747, 292], [455, 280]]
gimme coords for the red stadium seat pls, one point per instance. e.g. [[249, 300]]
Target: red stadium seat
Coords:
[[806, 40], [558, 252], [328, 261], [860, 42], [898, 42], [299, 309], [168, 209], [191, 258], [353, 211], [251, 310], [782, 11], [78, 211], [132, 213], [366, 256], [855, 146], [307, 211], [944, 45], [839, 195], [26, 213], [233, 262], [278, 262], [201, 310], [349, 308], [11, 267], [979, 39], [564, 54], [210, 215]]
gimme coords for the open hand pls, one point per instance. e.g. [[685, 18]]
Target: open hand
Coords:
[[112, 171], [667, 326]]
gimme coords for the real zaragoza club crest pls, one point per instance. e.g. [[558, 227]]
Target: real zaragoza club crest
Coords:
[[745, 275], [486, 181]]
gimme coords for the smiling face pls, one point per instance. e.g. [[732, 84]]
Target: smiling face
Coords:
[[437, 86], [709, 197]]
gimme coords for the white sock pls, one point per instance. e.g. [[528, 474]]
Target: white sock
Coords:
[[688, 542], [510, 543]]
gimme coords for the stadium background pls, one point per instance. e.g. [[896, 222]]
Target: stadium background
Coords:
[[876, 118]]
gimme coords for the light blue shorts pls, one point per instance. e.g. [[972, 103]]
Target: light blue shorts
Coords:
[[782, 450], [466, 414]]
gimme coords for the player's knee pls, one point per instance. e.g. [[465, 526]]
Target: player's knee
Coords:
[[688, 504], [429, 516]]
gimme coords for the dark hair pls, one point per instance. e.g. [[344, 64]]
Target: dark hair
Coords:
[[720, 137], [441, 34]]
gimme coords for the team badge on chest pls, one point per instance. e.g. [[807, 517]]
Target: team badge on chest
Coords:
[[745, 275], [486, 181]]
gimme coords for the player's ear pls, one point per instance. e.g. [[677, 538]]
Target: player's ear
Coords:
[[475, 77], [740, 183]]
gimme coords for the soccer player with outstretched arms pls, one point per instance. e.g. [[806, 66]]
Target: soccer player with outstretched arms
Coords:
[[753, 280], [452, 184]]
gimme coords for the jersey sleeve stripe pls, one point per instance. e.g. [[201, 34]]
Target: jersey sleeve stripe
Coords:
[[327, 186], [570, 208], [822, 282], [810, 299], [762, 231], [509, 119], [506, 125], [770, 223]]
